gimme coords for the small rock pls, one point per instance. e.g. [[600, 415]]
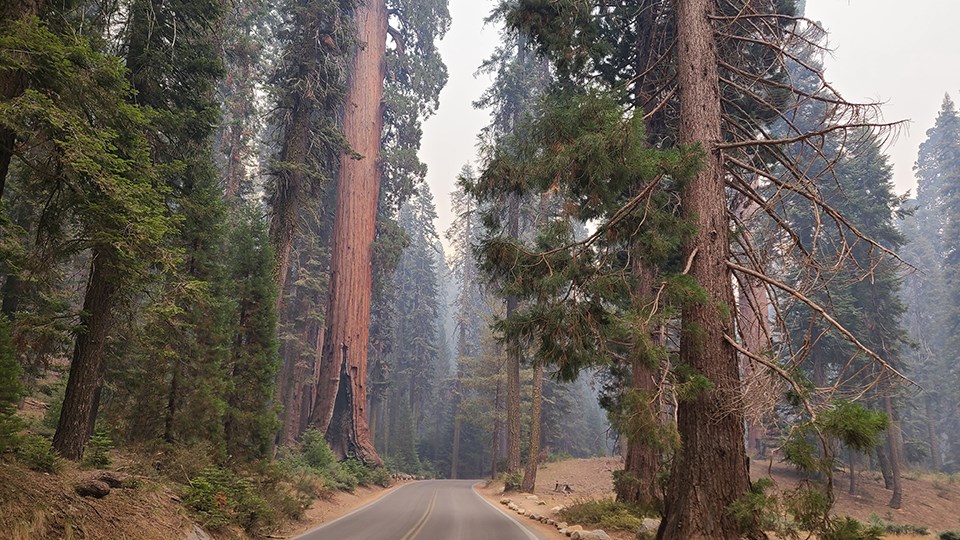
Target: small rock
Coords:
[[197, 534], [513, 506], [505, 501], [534, 516], [561, 524], [542, 503], [572, 529], [533, 498], [92, 488], [522, 512], [556, 509]]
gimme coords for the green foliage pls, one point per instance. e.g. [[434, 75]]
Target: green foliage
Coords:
[[604, 513], [10, 388], [847, 528], [897, 529], [315, 450], [950, 535], [220, 498], [37, 453], [96, 453], [313, 461], [854, 425], [511, 481]]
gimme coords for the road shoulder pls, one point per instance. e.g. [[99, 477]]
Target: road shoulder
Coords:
[[492, 494]]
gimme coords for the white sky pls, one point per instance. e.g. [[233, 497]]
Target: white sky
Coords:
[[905, 54]]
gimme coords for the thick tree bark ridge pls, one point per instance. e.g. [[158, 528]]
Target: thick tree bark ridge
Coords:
[[348, 314], [711, 471]]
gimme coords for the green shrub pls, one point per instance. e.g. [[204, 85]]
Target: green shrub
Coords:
[[37, 453], [220, 498], [10, 389], [604, 513], [950, 535], [512, 481], [559, 456], [96, 453], [315, 451], [847, 528]]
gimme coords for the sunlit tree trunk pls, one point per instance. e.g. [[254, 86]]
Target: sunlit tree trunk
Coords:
[[342, 393], [895, 451], [513, 356], [710, 472], [533, 456]]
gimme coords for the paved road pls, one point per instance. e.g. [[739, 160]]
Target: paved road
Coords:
[[428, 510]]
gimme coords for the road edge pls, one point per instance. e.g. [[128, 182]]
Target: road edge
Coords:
[[531, 533], [364, 506]]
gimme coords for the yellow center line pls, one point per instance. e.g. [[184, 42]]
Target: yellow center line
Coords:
[[423, 520]]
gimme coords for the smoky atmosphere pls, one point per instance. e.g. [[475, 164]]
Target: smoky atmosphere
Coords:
[[479, 269]]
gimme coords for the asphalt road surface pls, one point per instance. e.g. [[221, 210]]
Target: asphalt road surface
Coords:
[[428, 510]]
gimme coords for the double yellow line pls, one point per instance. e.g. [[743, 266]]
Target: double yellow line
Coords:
[[423, 520]]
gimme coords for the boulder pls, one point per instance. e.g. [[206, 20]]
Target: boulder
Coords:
[[505, 500], [110, 478], [648, 529], [513, 506], [591, 535], [572, 529], [561, 524], [556, 509], [92, 488], [522, 512]]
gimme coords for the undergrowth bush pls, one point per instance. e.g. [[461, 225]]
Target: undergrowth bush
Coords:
[[96, 454], [605, 513], [37, 453], [950, 535], [511, 481], [220, 498]]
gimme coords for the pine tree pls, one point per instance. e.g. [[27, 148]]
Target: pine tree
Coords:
[[938, 175]]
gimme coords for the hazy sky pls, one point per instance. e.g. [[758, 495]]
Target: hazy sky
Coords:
[[906, 54]]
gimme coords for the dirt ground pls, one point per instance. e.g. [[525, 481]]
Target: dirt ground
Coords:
[[931, 501], [38, 506]]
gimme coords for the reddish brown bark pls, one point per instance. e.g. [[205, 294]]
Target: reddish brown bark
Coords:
[[79, 400], [513, 356], [638, 485], [710, 472], [343, 370], [533, 456]]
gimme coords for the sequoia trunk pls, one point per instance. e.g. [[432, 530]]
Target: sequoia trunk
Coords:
[[344, 353], [710, 472]]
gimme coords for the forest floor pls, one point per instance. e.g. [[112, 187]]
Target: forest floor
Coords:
[[931, 501], [42, 506]]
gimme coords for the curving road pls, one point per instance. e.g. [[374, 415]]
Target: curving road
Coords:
[[428, 510]]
